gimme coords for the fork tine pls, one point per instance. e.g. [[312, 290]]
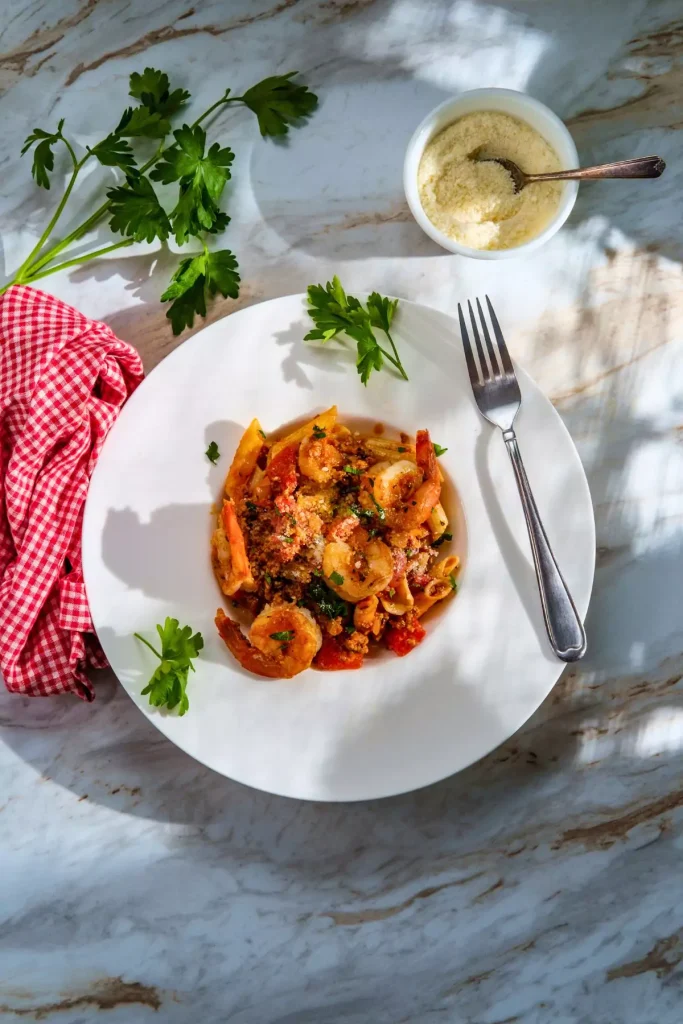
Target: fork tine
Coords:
[[485, 374], [502, 347], [469, 358], [489, 345]]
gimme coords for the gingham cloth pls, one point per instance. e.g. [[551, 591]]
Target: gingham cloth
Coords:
[[63, 381]]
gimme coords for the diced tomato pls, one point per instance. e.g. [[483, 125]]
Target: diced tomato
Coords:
[[282, 470], [402, 639], [332, 657]]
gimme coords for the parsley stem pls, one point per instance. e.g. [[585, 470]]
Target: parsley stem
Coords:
[[79, 259], [77, 164], [397, 362], [148, 644]]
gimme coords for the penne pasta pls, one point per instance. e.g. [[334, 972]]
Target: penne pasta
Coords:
[[438, 521], [400, 601], [434, 591], [325, 420], [244, 461], [447, 566], [386, 450]]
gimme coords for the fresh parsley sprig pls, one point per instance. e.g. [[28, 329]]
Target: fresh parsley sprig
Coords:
[[199, 171], [334, 312], [179, 647]]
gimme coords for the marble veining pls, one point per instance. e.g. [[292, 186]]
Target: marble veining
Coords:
[[543, 884]]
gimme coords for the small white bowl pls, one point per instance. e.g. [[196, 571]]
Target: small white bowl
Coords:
[[507, 101]]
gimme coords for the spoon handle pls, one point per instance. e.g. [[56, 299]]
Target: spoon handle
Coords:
[[639, 167]]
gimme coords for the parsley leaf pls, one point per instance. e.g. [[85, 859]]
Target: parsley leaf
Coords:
[[140, 122], [337, 578], [285, 635], [152, 89], [212, 453], [353, 470], [196, 275], [115, 152], [221, 274], [318, 432], [381, 311], [43, 157], [278, 103], [438, 450], [137, 212], [453, 582], [369, 358], [202, 178], [334, 312], [178, 649]]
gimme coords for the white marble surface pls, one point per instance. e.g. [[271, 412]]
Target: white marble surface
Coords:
[[542, 884]]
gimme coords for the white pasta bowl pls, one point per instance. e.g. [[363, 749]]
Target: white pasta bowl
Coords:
[[397, 723], [505, 101]]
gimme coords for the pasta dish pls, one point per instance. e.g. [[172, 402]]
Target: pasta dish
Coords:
[[329, 539]]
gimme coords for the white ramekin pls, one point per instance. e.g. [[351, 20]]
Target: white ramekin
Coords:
[[507, 101]]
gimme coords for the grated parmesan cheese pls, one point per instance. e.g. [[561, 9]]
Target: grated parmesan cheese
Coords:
[[473, 202]]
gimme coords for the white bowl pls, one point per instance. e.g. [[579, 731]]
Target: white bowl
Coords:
[[507, 101]]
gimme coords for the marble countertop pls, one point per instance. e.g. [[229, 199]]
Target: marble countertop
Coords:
[[544, 883]]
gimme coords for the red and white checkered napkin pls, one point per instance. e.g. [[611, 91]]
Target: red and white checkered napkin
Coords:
[[63, 381]]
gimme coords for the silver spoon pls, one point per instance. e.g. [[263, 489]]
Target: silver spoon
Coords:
[[638, 167]]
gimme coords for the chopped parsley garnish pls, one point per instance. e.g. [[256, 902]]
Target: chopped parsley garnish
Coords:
[[267, 577], [442, 540], [251, 507], [318, 432], [391, 591], [381, 514], [329, 604], [261, 432], [401, 449], [353, 470], [212, 452], [350, 628], [287, 540], [362, 513], [284, 635], [410, 552], [337, 578], [453, 582], [438, 450]]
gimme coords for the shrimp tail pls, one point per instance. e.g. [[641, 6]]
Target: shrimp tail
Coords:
[[241, 570], [247, 655], [426, 456]]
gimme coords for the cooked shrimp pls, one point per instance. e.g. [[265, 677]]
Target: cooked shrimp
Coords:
[[283, 640], [407, 492], [364, 566], [231, 564], [319, 457]]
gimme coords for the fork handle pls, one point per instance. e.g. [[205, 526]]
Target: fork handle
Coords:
[[565, 630]]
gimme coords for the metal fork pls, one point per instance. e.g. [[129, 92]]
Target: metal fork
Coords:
[[498, 398]]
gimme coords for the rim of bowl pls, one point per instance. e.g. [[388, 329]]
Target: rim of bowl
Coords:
[[424, 133]]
